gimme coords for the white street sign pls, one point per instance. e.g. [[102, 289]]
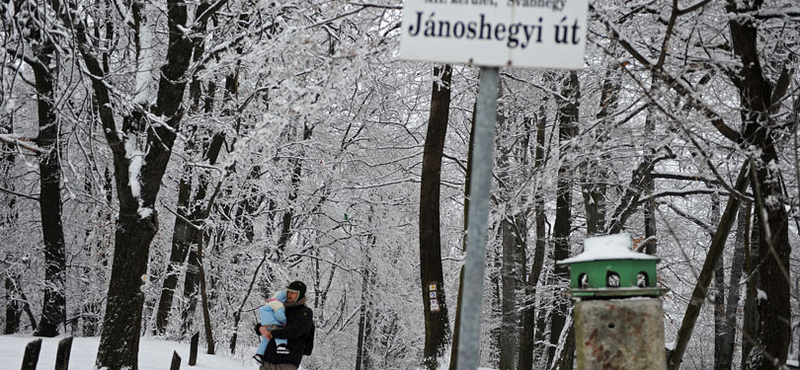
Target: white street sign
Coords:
[[499, 33]]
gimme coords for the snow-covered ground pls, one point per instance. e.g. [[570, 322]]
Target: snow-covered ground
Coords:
[[153, 354]]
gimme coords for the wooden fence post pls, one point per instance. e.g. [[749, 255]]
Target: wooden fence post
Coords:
[[193, 349], [31, 357], [176, 361], [62, 356]]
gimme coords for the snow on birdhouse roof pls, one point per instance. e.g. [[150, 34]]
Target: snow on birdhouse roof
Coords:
[[608, 247]]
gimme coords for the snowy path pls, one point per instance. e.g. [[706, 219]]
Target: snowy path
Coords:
[[153, 354]]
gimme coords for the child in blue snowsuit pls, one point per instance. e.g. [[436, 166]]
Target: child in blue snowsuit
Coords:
[[273, 316]]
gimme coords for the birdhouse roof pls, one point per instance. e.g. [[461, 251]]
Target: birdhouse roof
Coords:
[[608, 247]]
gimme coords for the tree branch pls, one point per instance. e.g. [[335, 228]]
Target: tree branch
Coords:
[[672, 82], [682, 176], [26, 196], [379, 6], [712, 259], [208, 13], [14, 141], [706, 227]]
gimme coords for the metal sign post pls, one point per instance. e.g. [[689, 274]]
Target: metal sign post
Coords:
[[481, 182]]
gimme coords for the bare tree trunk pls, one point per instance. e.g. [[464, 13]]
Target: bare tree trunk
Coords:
[[13, 299], [508, 275], [204, 295], [182, 236], [92, 309], [719, 290], [496, 304], [54, 310], [649, 208], [511, 165], [457, 323], [704, 280], [361, 350], [191, 284], [750, 321], [363, 346], [437, 328], [595, 173], [758, 97], [13, 306], [191, 236], [288, 216], [184, 230], [137, 221], [529, 309], [732, 301], [567, 120]]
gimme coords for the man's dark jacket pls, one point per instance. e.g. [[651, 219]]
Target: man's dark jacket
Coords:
[[299, 330]]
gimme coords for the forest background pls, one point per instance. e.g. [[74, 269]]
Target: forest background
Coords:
[[165, 165]]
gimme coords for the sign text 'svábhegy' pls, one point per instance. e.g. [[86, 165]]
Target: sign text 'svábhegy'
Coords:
[[521, 33]]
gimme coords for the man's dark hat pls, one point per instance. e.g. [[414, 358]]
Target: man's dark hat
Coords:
[[299, 287]]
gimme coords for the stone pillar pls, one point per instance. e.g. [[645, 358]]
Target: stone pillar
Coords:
[[626, 333]]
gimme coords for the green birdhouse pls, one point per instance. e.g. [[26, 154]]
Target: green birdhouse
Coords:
[[610, 268]]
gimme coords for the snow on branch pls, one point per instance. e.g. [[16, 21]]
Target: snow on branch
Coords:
[[684, 192], [788, 12], [675, 83], [347, 14], [144, 65], [692, 7], [14, 140]]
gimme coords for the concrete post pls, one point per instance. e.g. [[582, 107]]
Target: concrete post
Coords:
[[625, 333]]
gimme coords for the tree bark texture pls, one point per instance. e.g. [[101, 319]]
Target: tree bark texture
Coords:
[[756, 96], [525, 361], [508, 271], [13, 306], [184, 230], [54, 312], [13, 299], [595, 173], [54, 302], [719, 291], [567, 127], [750, 321], [706, 273], [511, 165], [363, 350], [182, 236], [210, 343], [288, 216], [457, 321], [119, 340], [437, 329], [649, 208], [732, 299], [190, 238]]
